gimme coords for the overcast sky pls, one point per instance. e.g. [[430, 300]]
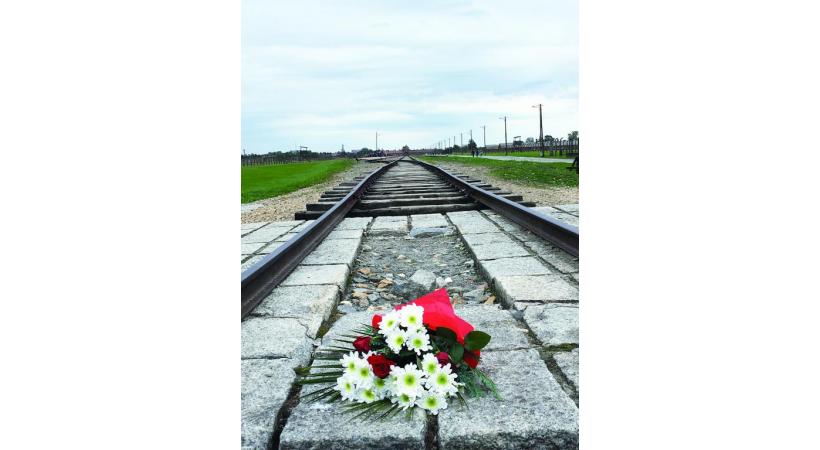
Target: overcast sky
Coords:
[[323, 74]]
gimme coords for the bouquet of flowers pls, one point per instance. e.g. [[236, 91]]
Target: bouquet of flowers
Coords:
[[420, 354]]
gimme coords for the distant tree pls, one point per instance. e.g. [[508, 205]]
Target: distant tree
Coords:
[[573, 136], [548, 139], [405, 150], [363, 152], [471, 146], [530, 141]]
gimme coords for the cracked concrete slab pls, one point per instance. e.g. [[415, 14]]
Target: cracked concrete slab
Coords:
[[534, 411], [310, 305], [327, 274], [275, 338], [266, 384], [535, 288], [553, 324]]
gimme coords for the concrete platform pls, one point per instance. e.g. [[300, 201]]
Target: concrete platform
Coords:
[[534, 411], [554, 324]]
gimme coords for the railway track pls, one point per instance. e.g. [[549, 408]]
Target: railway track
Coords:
[[402, 187], [406, 188], [346, 256]]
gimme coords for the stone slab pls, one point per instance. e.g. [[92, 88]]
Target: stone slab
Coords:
[[428, 221], [389, 225], [345, 234], [544, 209], [568, 362], [270, 247], [334, 251], [566, 218], [248, 227], [506, 332], [344, 324], [525, 236], [310, 305], [287, 223], [553, 324], [250, 248], [470, 222], [553, 255], [571, 208], [321, 425], [488, 238], [265, 387], [354, 223], [500, 267], [286, 237], [534, 411], [498, 250], [266, 234], [535, 288], [504, 223], [275, 338], [329, 274]]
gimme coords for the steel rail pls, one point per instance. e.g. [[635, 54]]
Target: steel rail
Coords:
[[563, 235], [259, 280]]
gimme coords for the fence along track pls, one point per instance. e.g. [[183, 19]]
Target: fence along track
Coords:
[[397, 188]]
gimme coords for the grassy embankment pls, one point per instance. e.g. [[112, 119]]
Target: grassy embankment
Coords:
[[260, 182], [531, 173]]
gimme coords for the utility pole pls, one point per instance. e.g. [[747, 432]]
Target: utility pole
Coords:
[[461, 136], [485, 136], [377, 141], [506, 147], [541, 127]]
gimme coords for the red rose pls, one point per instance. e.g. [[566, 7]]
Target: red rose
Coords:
[[471, 358], [362, 344], [438, 312], [443, 358], [377, 319], [380, 364]]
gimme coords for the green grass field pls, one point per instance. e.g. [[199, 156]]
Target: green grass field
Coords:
[[259, 182], [534, 153], [532, 173]]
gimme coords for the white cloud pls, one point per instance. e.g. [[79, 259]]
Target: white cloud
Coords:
[[415, 72]]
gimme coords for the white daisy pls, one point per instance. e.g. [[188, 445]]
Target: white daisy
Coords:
[[403, 400], [419, 341], [381, 387], [390, 322], [349, 362], [363, 374], [367, 395], [396, 340], [346, 387], [429, 364], [431, 401], [411, 317], [443, 381], [409, 380]]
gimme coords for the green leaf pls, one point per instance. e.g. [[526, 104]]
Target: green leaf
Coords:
[[456, 353], [476, 340], [446, 334]]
